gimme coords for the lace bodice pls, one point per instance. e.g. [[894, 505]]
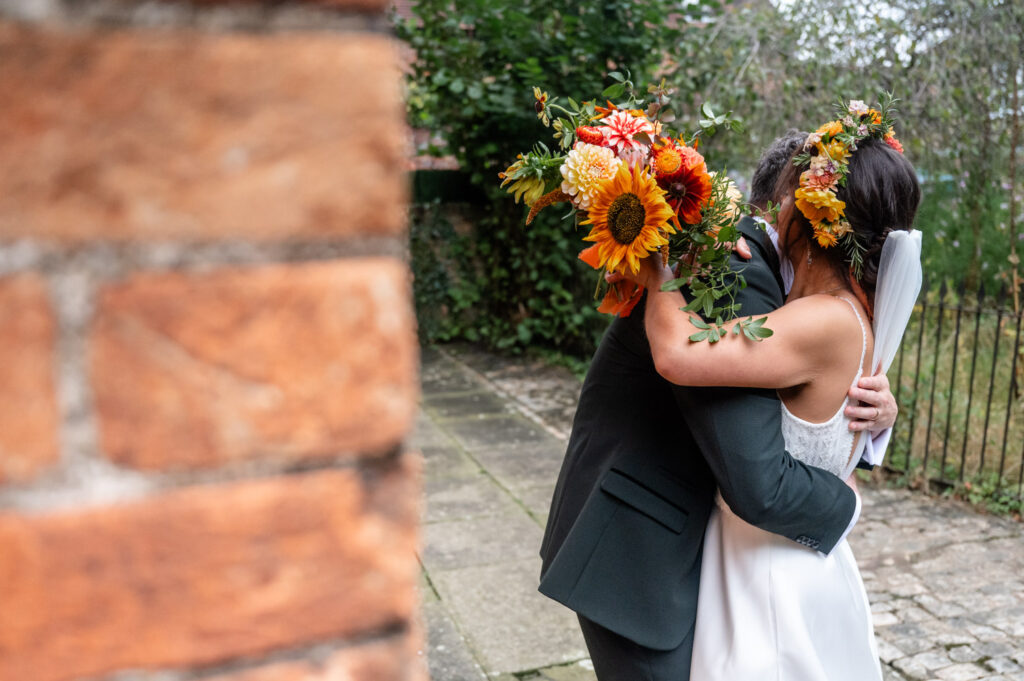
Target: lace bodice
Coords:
[[825, 445]]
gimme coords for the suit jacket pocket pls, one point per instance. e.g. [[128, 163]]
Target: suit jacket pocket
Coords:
[[631, 562], [637, 496]]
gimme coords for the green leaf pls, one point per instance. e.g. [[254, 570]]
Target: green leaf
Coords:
[[614, 91], [615, 75], [699, 323], [700, 335]]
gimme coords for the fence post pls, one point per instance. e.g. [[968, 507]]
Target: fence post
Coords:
[[970, 384], [961, 290], [1011, 390], [1000, 300], [917, 370], [935, 379]]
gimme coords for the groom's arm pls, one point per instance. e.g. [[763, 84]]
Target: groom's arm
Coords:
[[739, 433]]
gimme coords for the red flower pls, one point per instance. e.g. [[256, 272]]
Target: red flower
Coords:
[[894, 143], [590, 134], [682, 173]]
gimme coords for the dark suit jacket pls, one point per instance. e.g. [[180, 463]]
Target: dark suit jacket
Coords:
[[625, 533]]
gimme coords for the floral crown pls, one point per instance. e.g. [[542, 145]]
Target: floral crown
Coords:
[[827, 153]]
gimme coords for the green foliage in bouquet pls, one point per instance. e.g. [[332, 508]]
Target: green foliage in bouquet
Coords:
[[471, 83], [644, 191]]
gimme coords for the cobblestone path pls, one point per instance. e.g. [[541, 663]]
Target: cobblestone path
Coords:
[[945, 582]]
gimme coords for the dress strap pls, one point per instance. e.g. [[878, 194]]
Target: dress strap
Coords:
[[863, 333]]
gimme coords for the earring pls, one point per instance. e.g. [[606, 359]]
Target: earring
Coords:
[[809, 259]]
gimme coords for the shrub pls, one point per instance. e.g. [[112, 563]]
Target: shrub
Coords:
[[477, 63]]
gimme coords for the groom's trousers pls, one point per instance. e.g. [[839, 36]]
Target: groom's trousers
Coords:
[[616, 658]]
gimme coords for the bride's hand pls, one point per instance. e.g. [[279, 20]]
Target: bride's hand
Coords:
[[652, 273]]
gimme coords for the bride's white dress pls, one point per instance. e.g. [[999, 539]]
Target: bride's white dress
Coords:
[[770, 609]]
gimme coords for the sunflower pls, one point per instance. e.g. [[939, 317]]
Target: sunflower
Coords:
[[525, 185], [628, 215]]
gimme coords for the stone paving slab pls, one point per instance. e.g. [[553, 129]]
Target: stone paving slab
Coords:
[[480, 541], [529, 466], [946, 583], [508, 622], [447, 461], [488, 432], [448, 652], [465, 498]]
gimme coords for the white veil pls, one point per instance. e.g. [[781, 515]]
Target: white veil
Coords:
[[898, 285]]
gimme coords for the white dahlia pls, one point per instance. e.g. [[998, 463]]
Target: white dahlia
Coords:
[[586, 169]]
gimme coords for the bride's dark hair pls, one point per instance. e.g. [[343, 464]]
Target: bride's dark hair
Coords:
[[881, 195]]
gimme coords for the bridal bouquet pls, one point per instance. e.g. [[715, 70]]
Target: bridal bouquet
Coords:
[[642, 189]]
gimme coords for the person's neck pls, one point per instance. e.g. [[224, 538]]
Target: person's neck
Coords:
[[814, 278]]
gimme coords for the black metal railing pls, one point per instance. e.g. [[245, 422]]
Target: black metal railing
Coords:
[[957, 379]]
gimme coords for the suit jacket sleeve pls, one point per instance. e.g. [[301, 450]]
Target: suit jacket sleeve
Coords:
[[739, 433]]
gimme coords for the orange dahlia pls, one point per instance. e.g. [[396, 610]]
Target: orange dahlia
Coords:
[[629, 215], [682, 173]]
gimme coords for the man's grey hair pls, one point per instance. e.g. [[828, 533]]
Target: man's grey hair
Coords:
[[773, 160]]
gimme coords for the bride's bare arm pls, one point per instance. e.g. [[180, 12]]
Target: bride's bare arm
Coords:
[[801, 345]]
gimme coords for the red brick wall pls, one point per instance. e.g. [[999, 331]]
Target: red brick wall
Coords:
[[207, 349]]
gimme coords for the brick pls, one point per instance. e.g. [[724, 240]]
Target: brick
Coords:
[[28, 402], [348, 5], [259, 136], [277, 362], [207, 574], [391, 660]]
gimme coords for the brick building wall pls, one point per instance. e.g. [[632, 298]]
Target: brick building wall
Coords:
[[207, 349]]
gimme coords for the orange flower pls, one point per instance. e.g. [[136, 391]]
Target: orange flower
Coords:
[[891, 140], [603, 111], [590, 134], [837, 151], [630, 218], [825, 238], [822, 180], [683, 174], [667, 162], [832, 128], [819, 205]]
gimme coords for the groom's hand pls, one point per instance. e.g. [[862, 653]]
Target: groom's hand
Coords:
[[742, 249], [877, 408]]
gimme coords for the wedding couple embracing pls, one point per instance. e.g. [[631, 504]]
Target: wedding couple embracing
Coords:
[[698, 527]]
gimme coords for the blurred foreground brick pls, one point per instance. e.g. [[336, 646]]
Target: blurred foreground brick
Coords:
[[393, 659], [28, 402], [198, 239], [176, 134], [205, 574], [283, 361]]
